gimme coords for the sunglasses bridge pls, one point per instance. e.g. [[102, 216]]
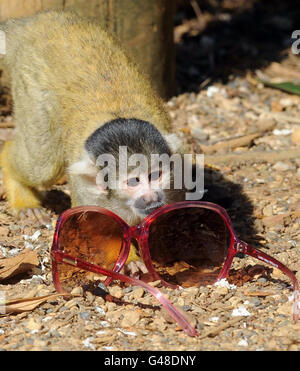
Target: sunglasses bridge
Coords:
[[136, 232]]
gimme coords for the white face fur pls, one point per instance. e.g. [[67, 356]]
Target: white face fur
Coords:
[[141, 191]]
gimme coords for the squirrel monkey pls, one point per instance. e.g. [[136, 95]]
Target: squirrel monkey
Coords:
[[77, 96]]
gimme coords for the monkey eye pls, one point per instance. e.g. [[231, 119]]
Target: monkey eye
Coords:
[[155, 175], [133, 182]]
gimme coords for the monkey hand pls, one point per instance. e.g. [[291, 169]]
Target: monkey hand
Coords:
[[35, 216], [24, 201], [134, 265]]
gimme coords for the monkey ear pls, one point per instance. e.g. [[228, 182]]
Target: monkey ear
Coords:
[[174, 142], [87, 170], [85, 167]]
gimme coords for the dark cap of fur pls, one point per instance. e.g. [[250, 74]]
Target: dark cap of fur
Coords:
[[139, 136]]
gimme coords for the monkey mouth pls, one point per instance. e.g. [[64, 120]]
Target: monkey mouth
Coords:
[[150, 209]]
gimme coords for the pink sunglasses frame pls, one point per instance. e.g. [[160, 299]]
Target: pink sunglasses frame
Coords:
[[140, 233]]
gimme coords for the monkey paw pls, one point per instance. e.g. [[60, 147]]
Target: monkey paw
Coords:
[[136, 268], [35, 216]]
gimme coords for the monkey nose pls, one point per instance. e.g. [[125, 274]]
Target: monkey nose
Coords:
[[148, 201], [142, 202]]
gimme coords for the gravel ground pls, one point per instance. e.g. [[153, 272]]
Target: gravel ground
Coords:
[[250, 311]]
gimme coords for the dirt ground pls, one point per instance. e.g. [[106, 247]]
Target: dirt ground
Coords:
[[255, 177]]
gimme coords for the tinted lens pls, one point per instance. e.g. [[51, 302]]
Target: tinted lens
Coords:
[[189, 246], [92, 237]]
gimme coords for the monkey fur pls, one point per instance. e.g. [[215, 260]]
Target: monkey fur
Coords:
[[69, 80]]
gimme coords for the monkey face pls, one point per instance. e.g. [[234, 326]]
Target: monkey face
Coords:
[[144, 192], [114, 170]]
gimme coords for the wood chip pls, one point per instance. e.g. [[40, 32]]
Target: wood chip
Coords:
[[259, 293], [21, 263], [27, 304], [255, 156], [214, 332]]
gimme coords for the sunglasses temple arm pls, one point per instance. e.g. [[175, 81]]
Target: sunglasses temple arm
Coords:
[[175, 314], [258, 254]]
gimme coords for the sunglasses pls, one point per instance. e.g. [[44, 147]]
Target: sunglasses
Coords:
[[181, 244]]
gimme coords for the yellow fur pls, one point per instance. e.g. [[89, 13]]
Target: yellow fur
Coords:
[[133, 256]]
